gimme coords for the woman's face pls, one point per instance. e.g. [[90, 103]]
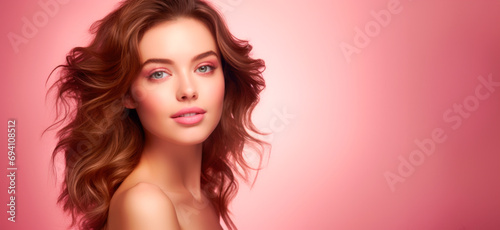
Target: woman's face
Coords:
[[180, 91]]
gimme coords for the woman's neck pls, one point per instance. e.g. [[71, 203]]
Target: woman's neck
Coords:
[[177, 167]]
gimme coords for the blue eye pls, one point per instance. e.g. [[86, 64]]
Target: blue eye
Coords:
[[204, 69], [158, 75]]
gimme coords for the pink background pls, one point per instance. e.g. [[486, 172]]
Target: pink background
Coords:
[[348, 123]]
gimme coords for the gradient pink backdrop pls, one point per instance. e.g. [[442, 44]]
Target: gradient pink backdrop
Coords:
[[348, 123]]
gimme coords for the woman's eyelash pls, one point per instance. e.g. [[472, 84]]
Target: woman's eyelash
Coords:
[[158, 75], [205, 68]]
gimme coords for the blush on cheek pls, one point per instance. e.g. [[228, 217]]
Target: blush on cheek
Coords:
[[143, 88], [220, 90], [218, 95], [138, 93], [151, 102], [217, 91], [152, 112]]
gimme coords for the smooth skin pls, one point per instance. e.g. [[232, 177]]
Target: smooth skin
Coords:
[[181, 69]]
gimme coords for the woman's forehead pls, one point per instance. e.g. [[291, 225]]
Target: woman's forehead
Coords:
[[179, 39]]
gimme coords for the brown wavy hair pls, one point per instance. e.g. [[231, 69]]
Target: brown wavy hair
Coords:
[[102, 141]]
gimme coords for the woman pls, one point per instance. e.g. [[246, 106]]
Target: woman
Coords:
[[157, 111]]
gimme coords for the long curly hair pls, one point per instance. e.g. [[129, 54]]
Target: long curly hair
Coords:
[[102, 141]]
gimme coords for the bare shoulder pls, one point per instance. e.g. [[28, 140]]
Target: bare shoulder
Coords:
[[144, 206]]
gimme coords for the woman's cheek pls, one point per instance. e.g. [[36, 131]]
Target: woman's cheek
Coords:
[[140, 95], [220, 90], [220, 87], [154, 102], [151, 107], [142, 88], [217, 95]]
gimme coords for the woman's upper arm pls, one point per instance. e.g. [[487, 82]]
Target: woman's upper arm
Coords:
[[142, 207]]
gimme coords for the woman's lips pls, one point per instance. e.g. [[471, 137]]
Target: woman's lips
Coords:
[[189, 116]]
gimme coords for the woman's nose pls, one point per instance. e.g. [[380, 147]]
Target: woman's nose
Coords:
[[186, 89]]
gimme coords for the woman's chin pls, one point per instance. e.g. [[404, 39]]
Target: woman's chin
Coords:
[[188, 140]]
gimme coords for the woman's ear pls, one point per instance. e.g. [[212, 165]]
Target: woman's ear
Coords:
[[129, 102]]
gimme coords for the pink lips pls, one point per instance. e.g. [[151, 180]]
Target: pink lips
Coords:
[[189, 116]]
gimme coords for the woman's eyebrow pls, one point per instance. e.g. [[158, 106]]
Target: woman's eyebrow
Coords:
[[168, 61], [203, 55]]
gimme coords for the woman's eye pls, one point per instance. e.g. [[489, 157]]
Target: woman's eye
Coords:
[[158, 75], [204, 69]]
